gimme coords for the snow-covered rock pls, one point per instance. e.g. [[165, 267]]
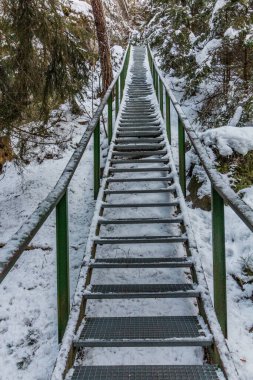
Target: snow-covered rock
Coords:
[[229, 139]]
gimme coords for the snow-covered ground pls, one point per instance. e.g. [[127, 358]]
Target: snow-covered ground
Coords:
[[28, 303]]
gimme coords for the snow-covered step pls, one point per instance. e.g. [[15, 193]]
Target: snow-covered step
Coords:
[[139, 128], [133, 205], [138, 140], [139, 170], [139, 146], [142, 291], [140, 240], [142, 161], [144, 179], [141, 191], [140, 154], [140, 262], [141, 221], [176, 331], [151, 372], [134, 132]]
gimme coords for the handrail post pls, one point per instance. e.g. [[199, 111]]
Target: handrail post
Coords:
[[153, 73], [219, 260], [124, 73], [181, 147], [122, 83], [156, 84], [110, 118], [168, 118], [117, 99], [96, 150], [161, 96], [62, 259]]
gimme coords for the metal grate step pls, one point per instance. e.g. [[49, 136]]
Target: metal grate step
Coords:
[[134, 133], [134, 205], [141, 154], [159, 262], [140, 221], [142, 161], [139, 140], [140, 170], [143, 332], [140, 239], [144, 179], [139, 147], [142, 291], [150, 372], [141, 191]]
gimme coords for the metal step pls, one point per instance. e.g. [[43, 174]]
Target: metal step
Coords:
[[140, 239], [139, 170], [136, 205], [171, 189], [142, 153], [142, 161], [144, 179], [147, 125], [139, 140], [142, 291], [104, 221], [135, 117], [146, 372], [143, 128], [139, 262], [139, 147], [143, 332], [132, 133]]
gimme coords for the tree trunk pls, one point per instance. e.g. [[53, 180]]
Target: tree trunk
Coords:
[[124, 7], [103, 43]]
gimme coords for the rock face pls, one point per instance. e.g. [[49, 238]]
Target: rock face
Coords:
[[6, 152], [205, 202]]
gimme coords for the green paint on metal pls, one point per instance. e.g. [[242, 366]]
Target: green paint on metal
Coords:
[[110, 118], [156, 84], [161, 96], [62, 252], [96, 160], [122, 83], [117, 99], [168, 119], [181, 146], [153, 73], [219, 260]]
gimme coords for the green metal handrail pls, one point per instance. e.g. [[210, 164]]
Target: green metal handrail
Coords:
[[58, 199], [221, 193]]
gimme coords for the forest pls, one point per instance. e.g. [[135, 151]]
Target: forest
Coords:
[[126, 194]]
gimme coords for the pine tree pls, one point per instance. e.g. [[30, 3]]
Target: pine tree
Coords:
[[43, 62], [103, 43]]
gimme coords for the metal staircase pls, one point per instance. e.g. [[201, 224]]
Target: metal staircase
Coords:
[[139, 224]]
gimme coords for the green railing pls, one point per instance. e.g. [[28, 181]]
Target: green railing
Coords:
[[221, 192], [58, 199]]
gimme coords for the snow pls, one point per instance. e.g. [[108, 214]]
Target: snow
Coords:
[[81, 6], [28, 310], [229, 139], [218, 5], [231, 33], [204, 56]]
